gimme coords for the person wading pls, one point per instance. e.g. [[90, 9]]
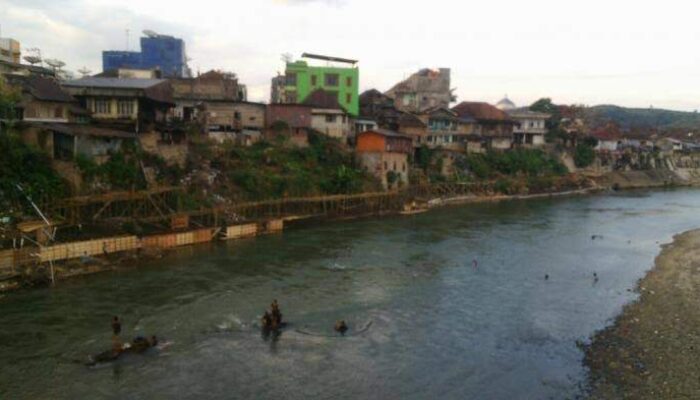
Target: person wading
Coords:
[[117, 346], [276, 314]]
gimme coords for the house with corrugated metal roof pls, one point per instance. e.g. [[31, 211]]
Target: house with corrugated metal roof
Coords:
[[137, 105], [43, 100], [493, 125]]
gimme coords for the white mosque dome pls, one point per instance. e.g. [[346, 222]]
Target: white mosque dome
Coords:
[[505, 104]]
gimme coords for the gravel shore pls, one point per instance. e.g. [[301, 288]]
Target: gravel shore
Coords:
[[653, 349]]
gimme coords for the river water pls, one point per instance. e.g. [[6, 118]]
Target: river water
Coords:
[[425, 322]]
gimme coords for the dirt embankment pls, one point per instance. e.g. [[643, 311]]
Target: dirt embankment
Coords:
[[648, 179], [653, 349]]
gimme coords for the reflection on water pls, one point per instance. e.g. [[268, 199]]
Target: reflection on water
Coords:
[[425, 320]]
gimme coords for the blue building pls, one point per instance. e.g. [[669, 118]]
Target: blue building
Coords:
[[162, 52]]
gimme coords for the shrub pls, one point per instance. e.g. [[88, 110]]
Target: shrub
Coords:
[[583, 155]]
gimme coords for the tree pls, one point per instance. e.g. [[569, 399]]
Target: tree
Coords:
[[545, 105], [9, 97], [584, 155]]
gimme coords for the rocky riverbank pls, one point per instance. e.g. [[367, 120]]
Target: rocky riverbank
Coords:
[[652, 350]]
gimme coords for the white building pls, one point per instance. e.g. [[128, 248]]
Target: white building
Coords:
[[530, 127]]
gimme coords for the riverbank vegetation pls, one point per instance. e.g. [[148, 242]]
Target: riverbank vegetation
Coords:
[[518, 162], [276, 169], [30, 168]]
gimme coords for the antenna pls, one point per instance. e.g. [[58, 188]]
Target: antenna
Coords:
[[127, 39], [287, 57]]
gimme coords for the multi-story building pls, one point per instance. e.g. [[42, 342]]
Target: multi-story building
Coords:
[[328, 116], [384, 154], [529, 127], [339, 76], [133, 104], [427, 88], [9, 50], [493, 125], [163, 52], [43, 100]]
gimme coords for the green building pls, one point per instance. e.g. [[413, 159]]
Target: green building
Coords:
[[302, 79]]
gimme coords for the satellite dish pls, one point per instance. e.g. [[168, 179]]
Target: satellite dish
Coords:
[[150, 33], [54, 63], [84, 71], [32, 59], [287, 57]]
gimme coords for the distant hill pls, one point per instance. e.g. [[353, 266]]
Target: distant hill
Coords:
[[643, 118]]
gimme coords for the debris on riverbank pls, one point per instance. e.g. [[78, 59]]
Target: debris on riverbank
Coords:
[[651, 351]]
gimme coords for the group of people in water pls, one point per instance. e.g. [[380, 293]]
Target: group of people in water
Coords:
[[271, 320]]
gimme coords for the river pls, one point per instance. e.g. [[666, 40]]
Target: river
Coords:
[[425, 322]]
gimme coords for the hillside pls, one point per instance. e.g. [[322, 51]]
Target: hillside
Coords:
[[643, 118]]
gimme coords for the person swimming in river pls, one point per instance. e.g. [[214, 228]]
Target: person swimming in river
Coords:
[[138, 346], [141, 344]]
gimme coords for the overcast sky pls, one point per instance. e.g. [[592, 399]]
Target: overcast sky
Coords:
[[590, 52]]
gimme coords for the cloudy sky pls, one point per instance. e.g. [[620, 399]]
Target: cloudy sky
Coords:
[[591, 52]]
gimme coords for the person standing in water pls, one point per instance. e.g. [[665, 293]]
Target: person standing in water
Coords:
[[276, 313], [116, 326], [117, 345]]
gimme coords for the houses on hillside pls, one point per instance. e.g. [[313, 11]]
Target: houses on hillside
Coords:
[[151, 97]]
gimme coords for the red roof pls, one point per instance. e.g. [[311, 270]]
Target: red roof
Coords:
[[480, 111], [606, 133]]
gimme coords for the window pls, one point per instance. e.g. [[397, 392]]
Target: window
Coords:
[[291, 97], [331, 79], [348, 98], [314, 78], [291, 79], [237, 115], [330, 118], [58, 112], [125, 108], [5, 53], [386, 166], [394, 165], [406, 99], [404, 167], [348, 81], [102, 106]]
